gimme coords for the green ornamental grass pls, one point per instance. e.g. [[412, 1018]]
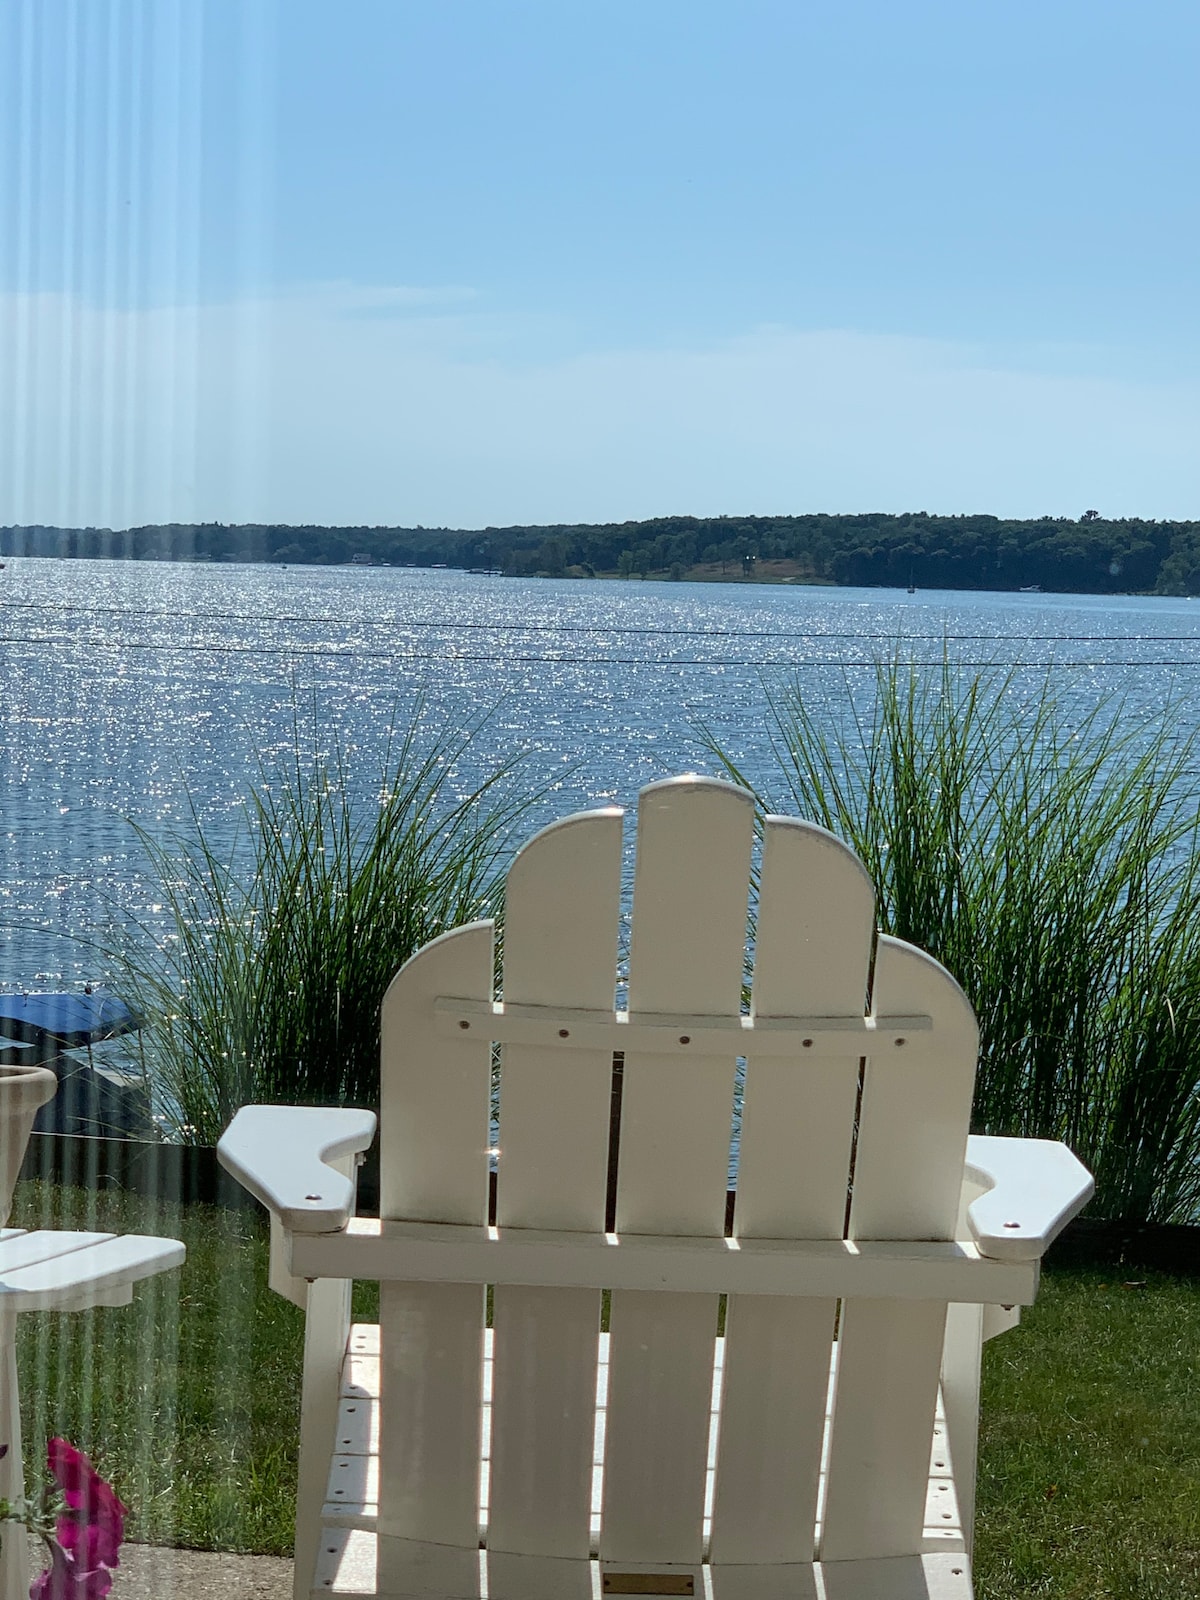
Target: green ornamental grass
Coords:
[[268, 984], [1049, 859]]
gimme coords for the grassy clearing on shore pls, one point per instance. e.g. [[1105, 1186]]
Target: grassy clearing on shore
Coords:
[[1090, 1452]]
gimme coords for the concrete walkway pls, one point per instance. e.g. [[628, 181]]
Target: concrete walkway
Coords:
[[148, 1572]]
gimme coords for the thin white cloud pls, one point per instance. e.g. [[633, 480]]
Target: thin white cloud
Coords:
[[356, 299], [314, 407]]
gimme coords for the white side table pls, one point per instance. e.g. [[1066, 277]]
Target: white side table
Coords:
[[51, 1270]]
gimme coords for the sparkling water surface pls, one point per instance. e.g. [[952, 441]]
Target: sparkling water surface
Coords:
[[135, 691]]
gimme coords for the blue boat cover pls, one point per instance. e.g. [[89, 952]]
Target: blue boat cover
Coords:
[[69, 1019]]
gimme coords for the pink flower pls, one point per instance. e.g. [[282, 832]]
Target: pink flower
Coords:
[[89, 1530], [64, 1580], [92, 1526]]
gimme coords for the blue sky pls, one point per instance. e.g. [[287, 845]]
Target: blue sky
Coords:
[[480, 261]]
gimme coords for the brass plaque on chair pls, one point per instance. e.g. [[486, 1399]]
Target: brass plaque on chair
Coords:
[[648, 1583]]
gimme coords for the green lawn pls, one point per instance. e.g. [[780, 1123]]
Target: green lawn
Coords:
[[193, 1397], [1090, 1451], [1090, 1465]]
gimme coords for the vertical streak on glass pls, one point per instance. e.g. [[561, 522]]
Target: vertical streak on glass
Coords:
[[178, 54], [64, 412], [22, 446], [132, 89], [155, 1411], [113, 314], [245, 384], [164, 488], [17, 336]]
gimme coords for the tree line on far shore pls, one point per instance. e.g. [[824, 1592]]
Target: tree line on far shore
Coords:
[[1091, 554]]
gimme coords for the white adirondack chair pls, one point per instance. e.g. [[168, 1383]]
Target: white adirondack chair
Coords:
[[820, 1448]]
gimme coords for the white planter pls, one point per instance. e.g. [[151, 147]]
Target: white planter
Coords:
[[23, 1092]]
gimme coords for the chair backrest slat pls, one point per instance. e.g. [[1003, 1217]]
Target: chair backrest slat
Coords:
[[812, 954], [772, 1427], [434, 1096], [435, 1087], [816, 926], [430, 1379], [545, 1345], [687, 955], [561, 918], [916, 1104], [889, 1358], [913, 1123], [562, 910], [660, 1377]]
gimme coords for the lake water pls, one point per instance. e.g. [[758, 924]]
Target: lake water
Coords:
[[132, 691]]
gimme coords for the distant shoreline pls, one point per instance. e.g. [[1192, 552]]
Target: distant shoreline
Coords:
[[700, 575], [1090, 554]]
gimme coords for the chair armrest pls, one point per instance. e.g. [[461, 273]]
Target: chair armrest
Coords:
[[281, 1154], [1033, 1187]]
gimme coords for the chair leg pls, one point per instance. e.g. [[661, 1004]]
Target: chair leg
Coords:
[[960, 1392], [326, 1329], [14, 1553]]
